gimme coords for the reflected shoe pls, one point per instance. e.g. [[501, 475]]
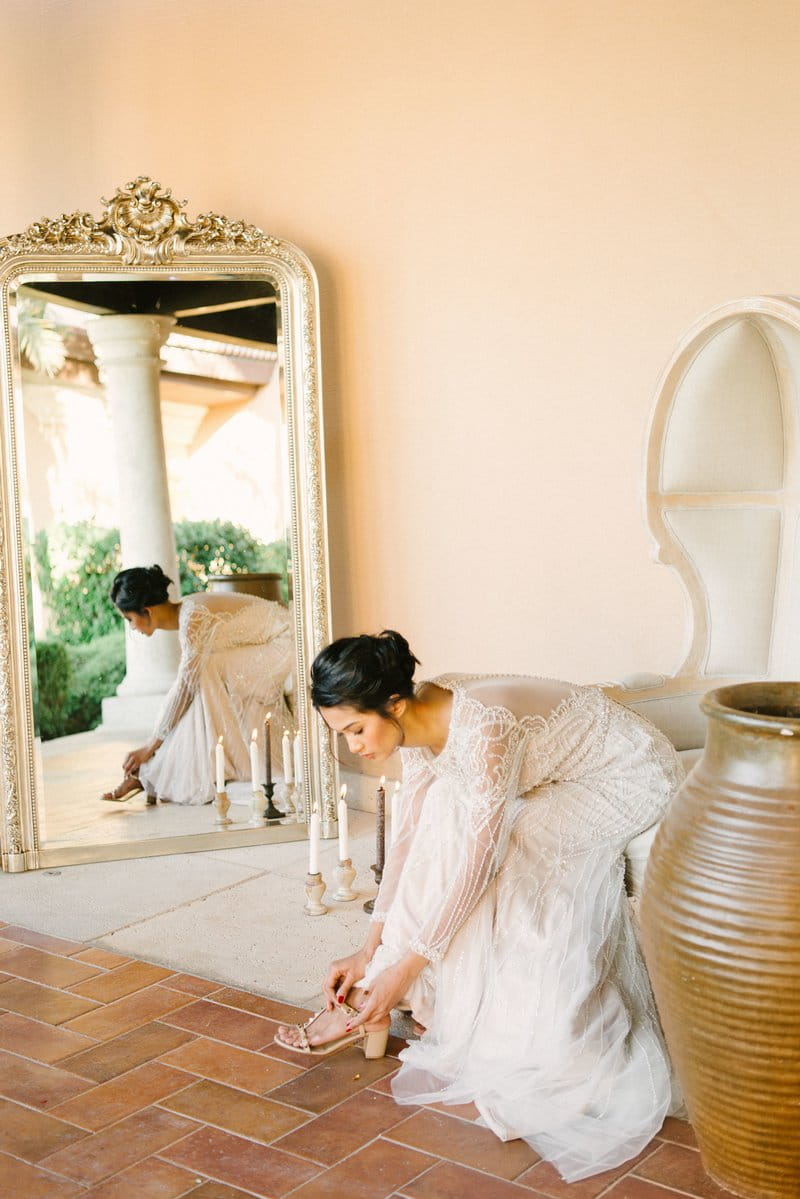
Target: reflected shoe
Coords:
[[125, 791], [373, 1041]]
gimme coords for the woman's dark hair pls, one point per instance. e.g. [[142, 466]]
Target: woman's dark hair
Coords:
[[139, 587], [364, 672]]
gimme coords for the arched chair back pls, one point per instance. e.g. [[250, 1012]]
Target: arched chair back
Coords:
[[723, 506]]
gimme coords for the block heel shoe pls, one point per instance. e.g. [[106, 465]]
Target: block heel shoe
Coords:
[[372, 1041]]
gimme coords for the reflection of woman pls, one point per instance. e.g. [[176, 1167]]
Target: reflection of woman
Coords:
[[502, 920], [236, 653]]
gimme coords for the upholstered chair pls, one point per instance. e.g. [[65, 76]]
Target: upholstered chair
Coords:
[[723, 506]]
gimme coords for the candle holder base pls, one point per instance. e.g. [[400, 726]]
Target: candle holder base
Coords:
[[221, 806], [315, 887], [291, 815], [271, 812], [344, 874], [369, 906], [257, 818]]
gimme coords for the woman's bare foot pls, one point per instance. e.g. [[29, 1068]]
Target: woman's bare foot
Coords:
[[127, 787], [328, 1026]]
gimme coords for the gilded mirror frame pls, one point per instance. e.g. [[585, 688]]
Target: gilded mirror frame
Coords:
[[143, 231]]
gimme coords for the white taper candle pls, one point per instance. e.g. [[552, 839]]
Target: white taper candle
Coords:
[[286, 754], [343, 838], [254, 771], [313, 843], [220, 765], [298, 760]]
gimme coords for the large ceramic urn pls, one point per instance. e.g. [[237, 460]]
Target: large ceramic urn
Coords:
[[721, 935]]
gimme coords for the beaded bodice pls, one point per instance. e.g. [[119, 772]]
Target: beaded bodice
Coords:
[[509, 739]]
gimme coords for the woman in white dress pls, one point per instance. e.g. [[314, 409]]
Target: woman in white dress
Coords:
[[502, 920], [236, 654]]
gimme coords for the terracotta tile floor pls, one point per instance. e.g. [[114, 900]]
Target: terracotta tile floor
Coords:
[[120, 1079]]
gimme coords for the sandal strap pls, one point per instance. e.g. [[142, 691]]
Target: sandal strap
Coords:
[[301, 1029]]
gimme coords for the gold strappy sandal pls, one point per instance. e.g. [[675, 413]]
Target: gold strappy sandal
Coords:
[[113, 797], [372, 1041]]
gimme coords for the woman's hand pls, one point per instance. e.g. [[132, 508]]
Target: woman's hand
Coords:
[[387, 989], [137, 757], [344, 974]]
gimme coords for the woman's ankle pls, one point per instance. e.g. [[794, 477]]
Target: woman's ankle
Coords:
[[355, 996]]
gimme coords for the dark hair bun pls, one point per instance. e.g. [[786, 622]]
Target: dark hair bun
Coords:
[[140, 587], [364, 672], [394, 652]]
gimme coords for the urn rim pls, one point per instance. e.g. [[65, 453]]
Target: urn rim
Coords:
[[768, 706]]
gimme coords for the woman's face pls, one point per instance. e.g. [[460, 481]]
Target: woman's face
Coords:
[[368, 734], [142, 621]]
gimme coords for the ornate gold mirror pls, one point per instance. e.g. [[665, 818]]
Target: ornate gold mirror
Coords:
[[161, 404]]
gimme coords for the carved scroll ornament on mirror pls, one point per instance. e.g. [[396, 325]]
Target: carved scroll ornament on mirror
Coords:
[[161, 405]]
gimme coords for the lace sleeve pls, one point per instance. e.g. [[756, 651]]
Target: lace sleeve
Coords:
[[485, 768], [406, 808], [196, 630]]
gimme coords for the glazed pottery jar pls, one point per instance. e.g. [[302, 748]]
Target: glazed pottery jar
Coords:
[[721, 936]]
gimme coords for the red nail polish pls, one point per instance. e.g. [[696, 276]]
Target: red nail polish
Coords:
[[340, 998]]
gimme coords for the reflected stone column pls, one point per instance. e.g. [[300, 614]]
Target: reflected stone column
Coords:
[[127, 353]]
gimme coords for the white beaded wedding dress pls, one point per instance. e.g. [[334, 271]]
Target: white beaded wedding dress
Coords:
[[236, 654], [507, 872]]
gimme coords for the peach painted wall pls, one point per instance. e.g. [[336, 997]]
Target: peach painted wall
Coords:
[[515, 210]]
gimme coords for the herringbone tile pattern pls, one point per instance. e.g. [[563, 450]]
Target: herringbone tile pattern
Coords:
[[123, 1080]]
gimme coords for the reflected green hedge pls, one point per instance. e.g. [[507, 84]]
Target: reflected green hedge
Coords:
[[54, 673], [74, 680]]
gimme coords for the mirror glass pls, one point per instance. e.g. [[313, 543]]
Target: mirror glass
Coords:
[[161, 406], [216, 393]]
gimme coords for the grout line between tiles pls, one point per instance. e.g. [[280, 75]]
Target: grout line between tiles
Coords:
[[667, 1187], [182, 1137], [205, 1123], [225, 1182], [62, 957], [210, 995], [359, 1149], [90, 1186], [665, 1139], [57, 1062], [381, 1136], [195, 1078], [631, 1172], [454, 1161], [310, 1117], [45, 1169], [205, 1178], [205, 1036], [49, 987], [182, 1086], [40, 1111], [184, 1194]]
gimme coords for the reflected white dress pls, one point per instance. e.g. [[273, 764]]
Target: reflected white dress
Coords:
[[507, 872], [236, 654]]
